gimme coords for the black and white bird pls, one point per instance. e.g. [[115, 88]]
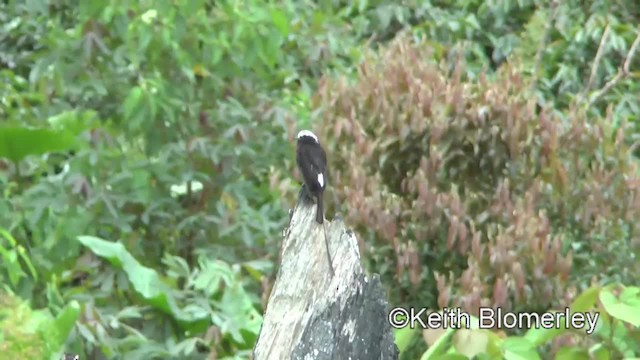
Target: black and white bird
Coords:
[[312, 162]]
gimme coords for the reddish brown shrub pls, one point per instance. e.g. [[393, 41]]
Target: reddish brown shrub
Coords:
[[445, 174]]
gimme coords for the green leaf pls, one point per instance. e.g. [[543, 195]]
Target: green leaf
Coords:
[[25, 329], [144, 280], [238, 316], [538, 335], [440, 346], [362, 5], [625, 307], [586, 301], [281, 21], [10, 256], [63, 324], [518, 348], [257, 268], [450, 357], [600, 352], [471, 342], [133, 107], [404, 336], [572, 353], [583, 303], [210, 275], [16, 143], [74, 121], [91, 9]]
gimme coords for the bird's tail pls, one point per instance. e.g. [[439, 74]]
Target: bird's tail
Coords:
[[319, 213], [326, 244]]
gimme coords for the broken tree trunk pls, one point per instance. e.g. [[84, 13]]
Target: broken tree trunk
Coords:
[[312, 315]]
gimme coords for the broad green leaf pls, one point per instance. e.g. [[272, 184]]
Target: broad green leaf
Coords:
[[586, 301], [362, 5], [281, 21], [144, 280], [149, 16], [257, 268], [572, 353], [471, 342], [21, 328], [600, 352], [440, 346], [450, 357], [10, 255], [210, 275], [583, 303], [63, 324], [91, 9], [404, 336], [134, 107], [238, 315], [625, 307], [74, 121], [539, 335], [16, 143], [518, 348]]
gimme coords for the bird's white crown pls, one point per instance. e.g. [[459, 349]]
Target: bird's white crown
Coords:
[[307, 133]]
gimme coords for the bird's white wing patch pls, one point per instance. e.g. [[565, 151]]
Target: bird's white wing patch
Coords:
[[321, 180]]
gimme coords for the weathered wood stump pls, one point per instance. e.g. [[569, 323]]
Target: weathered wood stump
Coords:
[[312, 315]]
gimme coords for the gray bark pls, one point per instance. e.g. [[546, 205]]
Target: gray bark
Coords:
[[313, 315]]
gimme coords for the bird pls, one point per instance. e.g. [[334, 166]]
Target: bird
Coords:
[[312, 163]]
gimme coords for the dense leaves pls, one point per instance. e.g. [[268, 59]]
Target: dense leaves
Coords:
[[505, 201], [473, 168]]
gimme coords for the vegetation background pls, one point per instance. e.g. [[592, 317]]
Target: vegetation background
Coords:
[[485, 151]]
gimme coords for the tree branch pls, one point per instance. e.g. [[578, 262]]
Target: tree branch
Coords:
[[623, 72], [596, 61]]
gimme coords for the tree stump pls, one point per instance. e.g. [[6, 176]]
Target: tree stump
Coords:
[[312, 315]]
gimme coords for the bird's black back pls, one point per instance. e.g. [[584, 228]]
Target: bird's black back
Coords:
[[311, 160]]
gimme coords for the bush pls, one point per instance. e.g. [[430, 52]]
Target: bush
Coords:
[[505, 201], [33, 334], [615, 309]]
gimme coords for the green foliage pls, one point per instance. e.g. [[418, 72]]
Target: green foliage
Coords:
[[613, 338], [12, 255], [208, 298], [145, 281], [34, 334], [16, 143], [160, 97], [467, 177]]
